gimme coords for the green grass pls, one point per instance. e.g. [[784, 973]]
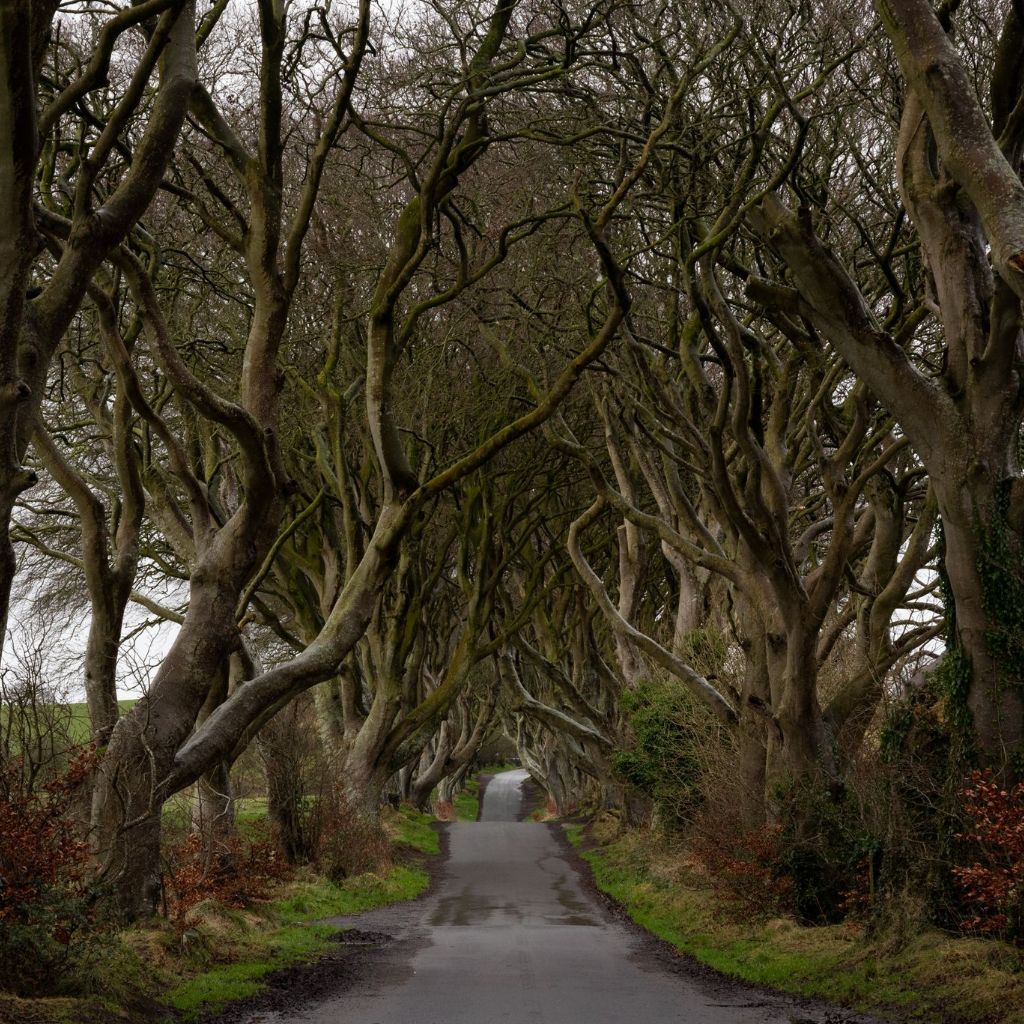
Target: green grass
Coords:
[[322, 899], [289, 931], [467, 801], [226, 954], [70, 721], [250, 809], [414, 829], [226, 983], [923, 975], [251, 817]]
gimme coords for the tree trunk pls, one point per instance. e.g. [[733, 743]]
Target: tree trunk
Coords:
[[284, 806], [363, 784], [985, 668], [451, 785], [752, 770], [140, 755], [18, 245], [433, 773], [213, 814], [101, 654], [404, 784], [126, 817], [800, 754]]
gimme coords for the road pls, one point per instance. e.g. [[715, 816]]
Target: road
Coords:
[[513, 936]]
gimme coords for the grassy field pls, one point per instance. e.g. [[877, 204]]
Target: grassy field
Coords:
[[79, 726], [915, 973], [70, 721]]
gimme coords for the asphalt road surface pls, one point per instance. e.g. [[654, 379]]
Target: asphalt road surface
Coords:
[[513, 936]]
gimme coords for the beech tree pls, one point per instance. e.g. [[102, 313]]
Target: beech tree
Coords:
[[158, 747], [91, 197], [958, 170], [486, 366], [769, 467]]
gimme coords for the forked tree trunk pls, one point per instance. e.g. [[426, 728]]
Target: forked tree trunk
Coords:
[[432, 774], [452, 785], [142, 748]]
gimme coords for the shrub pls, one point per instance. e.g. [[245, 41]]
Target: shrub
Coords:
[[744, 867], [296, 769], [348, 842], [992, 885], [828, 850], [663, 762], [45, 903], [819, 861], [921, 755], [243, 871]]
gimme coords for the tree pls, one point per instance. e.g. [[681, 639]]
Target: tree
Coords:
[[959, 179], [64, 239], [153, 751]]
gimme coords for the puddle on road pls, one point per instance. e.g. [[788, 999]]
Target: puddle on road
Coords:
[[574, 921], [358, 937], [569, 899], [466, 909]]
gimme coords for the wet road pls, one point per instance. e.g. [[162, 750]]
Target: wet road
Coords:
[[503, 797], [511, 936]]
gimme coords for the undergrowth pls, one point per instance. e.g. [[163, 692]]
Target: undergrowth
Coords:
[[287, 931], [293, 927], [909, 970], [216, 950]]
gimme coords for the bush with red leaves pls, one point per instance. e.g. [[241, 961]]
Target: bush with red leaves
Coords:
[[744, 867], [240, 872], [992, 885], [44, 893]]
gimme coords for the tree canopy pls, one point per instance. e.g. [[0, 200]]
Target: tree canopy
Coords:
[[515, 368]]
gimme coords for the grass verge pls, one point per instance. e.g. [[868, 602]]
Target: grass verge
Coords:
[[911, 973], [467, 801], [413, 829], [291, 929]]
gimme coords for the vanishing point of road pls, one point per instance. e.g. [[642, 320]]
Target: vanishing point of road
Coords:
[[512, 935]]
